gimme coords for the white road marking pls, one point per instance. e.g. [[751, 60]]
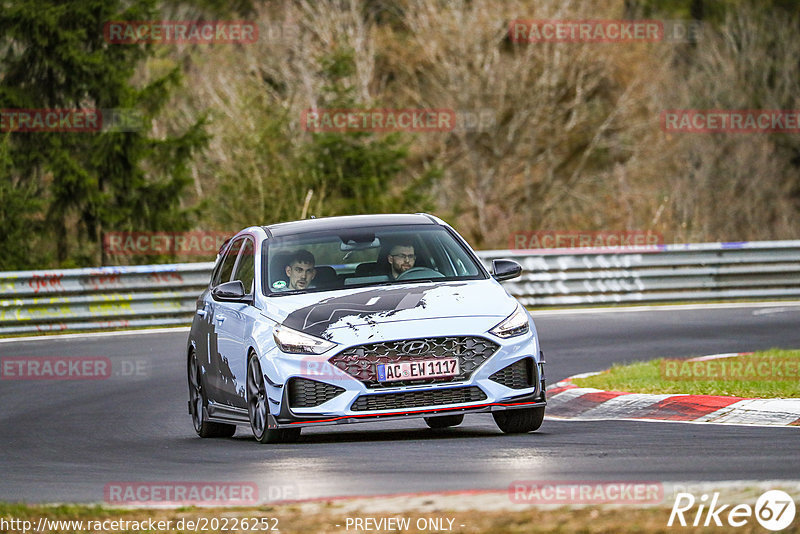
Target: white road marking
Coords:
[[84, 335], [669, 307]]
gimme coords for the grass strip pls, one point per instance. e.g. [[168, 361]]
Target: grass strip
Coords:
[[766, 374]]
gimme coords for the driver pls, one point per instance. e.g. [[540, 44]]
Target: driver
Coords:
[[401, 258]]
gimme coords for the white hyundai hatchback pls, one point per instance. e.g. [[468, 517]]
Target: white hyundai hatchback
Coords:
[[360, 318]]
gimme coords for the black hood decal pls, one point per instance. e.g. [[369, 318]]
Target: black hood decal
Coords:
[[369, 304]]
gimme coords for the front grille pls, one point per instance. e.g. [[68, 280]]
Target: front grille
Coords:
[[518, 375], [304, 393], [417, 399], [360, 362]]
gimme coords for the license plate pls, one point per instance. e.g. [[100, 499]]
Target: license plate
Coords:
[[388, 372]]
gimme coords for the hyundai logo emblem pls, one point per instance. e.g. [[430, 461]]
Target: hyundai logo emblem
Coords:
[[415, 347]]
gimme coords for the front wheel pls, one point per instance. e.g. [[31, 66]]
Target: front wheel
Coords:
[[519, 421], [257, 408], [197, 401], [444, 421]]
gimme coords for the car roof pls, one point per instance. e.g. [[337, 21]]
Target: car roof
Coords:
[[347, 222]]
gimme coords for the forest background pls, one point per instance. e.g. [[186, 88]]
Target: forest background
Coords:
[[551, 136]]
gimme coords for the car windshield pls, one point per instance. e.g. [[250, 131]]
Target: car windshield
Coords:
[[338, 259]]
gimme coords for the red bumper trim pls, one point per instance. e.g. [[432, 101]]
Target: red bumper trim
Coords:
[[393, 414]]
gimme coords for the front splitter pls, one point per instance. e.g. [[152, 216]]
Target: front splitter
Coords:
[[405, 414]]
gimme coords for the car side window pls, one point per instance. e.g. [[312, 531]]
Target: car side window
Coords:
[[245, 268], [227, 263]]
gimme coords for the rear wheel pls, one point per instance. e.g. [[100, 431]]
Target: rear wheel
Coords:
[[257, 408], [519, 421], [444, 421], [198, 401]]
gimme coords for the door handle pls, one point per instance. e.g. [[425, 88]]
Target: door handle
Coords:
[[201, 313], [220, 318]]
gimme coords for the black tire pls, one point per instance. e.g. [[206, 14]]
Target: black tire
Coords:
[[257, 406], [198, 401], [519, 421], [444, 421]]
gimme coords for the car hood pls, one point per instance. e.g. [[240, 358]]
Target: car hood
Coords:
[[318, 314]]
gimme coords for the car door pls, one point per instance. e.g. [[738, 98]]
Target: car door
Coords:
[[220, 340], [233, 331], [202, 324]]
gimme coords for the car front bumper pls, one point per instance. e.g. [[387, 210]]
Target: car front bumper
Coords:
[[486, 389]]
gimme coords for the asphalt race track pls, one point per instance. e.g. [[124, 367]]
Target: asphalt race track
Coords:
[[63, 441]]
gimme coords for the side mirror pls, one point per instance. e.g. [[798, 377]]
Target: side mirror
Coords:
[[505, 269], [232, 292]]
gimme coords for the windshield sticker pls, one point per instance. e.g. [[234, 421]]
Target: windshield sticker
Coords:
[[279, 284]]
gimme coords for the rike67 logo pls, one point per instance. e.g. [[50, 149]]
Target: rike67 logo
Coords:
[[774, 510]]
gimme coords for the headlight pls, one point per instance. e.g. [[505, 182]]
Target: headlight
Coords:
[[515, 324], [294, 342]]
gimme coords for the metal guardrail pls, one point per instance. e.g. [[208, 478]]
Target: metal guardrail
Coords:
[[104, 297], [163, 295], [666, 273]]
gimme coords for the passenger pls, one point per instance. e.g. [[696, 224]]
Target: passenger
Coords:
[[300, 270]]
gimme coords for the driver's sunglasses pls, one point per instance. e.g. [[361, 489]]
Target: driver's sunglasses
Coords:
[[405, 257]]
